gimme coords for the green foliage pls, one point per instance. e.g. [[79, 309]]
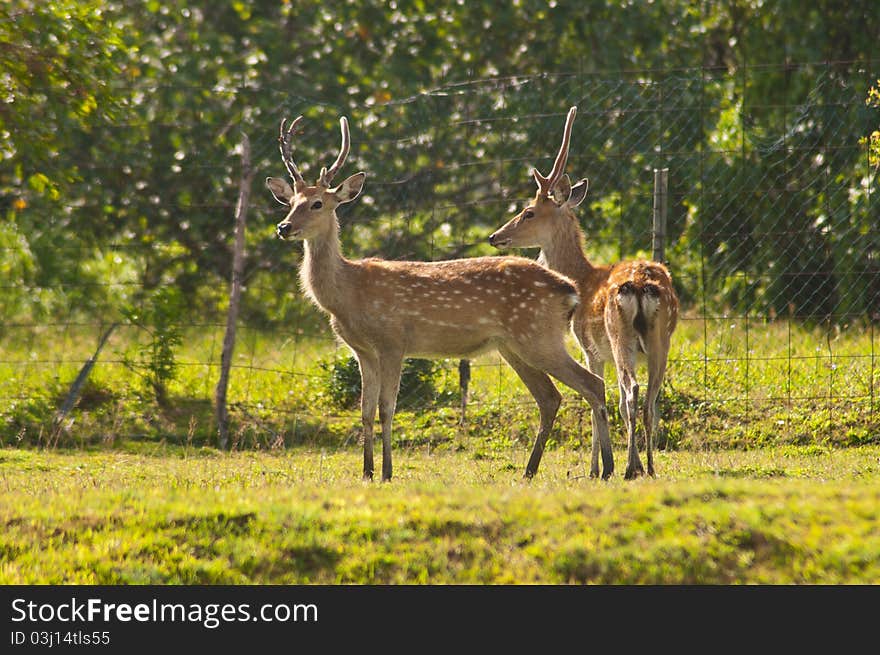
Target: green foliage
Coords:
[[16, 269], [26, 420], [57, 61], [155, 361], [418, 382], [873, 139], [343, 380], [120, 127]]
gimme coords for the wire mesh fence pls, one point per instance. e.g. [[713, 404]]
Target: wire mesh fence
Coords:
[[773, 239]]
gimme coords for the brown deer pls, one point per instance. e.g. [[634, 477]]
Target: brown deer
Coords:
[[387, 310], [626, 309]]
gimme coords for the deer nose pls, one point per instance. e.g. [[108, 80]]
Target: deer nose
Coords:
[[282, 229], [500, 243]]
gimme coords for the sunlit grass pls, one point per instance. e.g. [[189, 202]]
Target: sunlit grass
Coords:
[[731, 382], [179, 515]]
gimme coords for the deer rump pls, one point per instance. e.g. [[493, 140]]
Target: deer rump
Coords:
[[638, 307], [637, 294]]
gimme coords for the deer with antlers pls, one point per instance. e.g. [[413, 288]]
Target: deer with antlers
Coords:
[[626, 309], [387, 310]]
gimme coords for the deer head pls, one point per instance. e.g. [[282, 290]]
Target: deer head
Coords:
[[536, 224], [312, 208]]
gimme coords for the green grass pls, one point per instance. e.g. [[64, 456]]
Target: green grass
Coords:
[[734, 382], [176, 515], [769, 472], [731, 383]]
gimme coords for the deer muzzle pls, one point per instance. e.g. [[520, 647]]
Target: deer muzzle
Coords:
[[494, 240], [285, 231]]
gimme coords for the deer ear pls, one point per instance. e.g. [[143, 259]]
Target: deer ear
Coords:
[[578, 193], [350, 188], [562, 190], [280, 189]]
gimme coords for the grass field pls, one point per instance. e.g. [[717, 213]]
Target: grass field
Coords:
[[732, 383], [769, 473], [177, 515]]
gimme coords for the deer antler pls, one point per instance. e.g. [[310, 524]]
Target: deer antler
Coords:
[[547, 183], [327, 176], [286, 157]]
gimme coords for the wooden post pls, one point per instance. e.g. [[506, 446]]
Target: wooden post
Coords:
[[77, 385], [464, 378], [658, 243], [244, 188], [661, 194]]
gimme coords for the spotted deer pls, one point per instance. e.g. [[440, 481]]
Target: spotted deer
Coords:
[[626, 309], [387, 310]]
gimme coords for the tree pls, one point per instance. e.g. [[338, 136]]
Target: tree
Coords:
[[119, 163]]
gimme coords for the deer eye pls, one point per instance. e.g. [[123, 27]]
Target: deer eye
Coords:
[[528, 213], [317, 204]]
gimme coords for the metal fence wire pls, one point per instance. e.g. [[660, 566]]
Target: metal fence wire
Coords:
[[773, 231]]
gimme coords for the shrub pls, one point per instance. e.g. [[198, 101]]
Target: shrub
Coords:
[[419, 382], [155, 361]]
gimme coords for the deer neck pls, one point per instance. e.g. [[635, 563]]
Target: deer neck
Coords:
[[322, 270], [564, 253]]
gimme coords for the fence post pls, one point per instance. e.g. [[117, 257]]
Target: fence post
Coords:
[[658, 233], [464, 378], [244, 187], [75, 388], [658, 242]]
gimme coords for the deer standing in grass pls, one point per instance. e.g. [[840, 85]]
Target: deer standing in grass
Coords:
[[626, 309], [387, 310]]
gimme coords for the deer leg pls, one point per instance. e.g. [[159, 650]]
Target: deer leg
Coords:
[[629, 401], [369, 366], [597, 367], [624, 359], [560, 365], [657, 356], [548, 398], [389, 387]]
